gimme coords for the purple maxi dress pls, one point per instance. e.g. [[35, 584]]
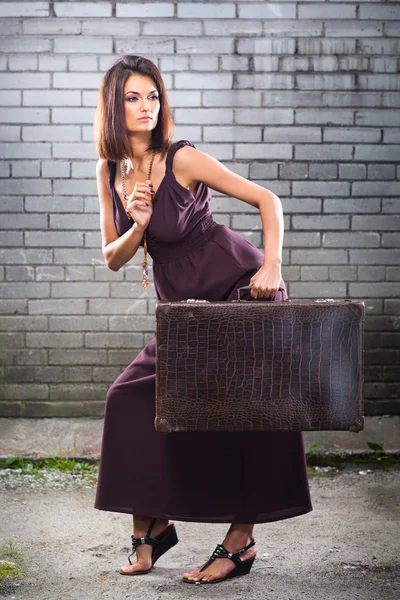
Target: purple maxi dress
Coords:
[[211, 477]]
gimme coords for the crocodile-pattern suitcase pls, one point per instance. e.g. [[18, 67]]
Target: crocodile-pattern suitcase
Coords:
[[239, 365]]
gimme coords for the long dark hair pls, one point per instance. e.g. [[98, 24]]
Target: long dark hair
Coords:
[[111, 135]]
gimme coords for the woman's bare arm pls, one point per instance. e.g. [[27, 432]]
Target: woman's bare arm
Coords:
[[117, 250]]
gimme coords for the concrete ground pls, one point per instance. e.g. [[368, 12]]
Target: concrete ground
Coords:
[[347, 548]]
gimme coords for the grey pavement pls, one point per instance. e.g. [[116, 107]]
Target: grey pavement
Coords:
[[346, 548]]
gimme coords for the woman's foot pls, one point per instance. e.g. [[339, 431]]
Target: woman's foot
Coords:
[[142, 561], [220, 567]]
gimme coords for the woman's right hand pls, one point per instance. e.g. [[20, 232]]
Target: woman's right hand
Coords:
[[139, 204]]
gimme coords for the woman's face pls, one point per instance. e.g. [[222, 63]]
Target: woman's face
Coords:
[[141, 99]]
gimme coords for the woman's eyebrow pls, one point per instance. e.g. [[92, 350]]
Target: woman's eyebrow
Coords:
[[132, 92]]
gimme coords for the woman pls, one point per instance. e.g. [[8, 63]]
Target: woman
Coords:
[[240, 478]]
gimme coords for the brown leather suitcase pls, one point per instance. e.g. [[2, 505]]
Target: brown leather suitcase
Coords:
[[292, 365]]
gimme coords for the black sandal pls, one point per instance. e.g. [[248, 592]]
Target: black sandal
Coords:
[[161, 543], [241, 568]]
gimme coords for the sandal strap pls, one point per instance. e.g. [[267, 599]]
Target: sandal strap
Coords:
[[221, 552], [137, 541]]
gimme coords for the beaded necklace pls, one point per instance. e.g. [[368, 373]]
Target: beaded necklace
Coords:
[[146, 279]]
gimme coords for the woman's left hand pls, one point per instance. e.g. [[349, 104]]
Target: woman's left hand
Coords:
[[265, 282]]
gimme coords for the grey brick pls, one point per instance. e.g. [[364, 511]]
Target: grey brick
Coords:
[[147, 46], [377, 222], [286, 28], [23, 63], [53, 63], [80, 256], [343, 273], [10, 238], [81, 323], [390, 205], [114, 340], [71, 221], [86, 45], [78, 290], [198, 81], [116, 306], [384, 81], [76, 356], [297, 239], [25, 168], [26, 186], [375, 256], [133, 324], [376, 188], [51, 26], [352, 171], [272, 151], [323, 171], [324, 116], [391, 240], [354, 63], [383, 65], [10, 26], [391, 136], [93, 240], [20, 273], [279, 81], [351, 239], [11, 340], [371, 274], [320, 222], [70, 391], [174, 63], [272, 10], [79, 273], [23, 257], [26, 391], [55, 169], [292, 63], [377, 117], [380, 12], [72, 115], [322, 81], [391, 99], [47, 374], [19, 44], [153, 9], [392, 273], [82, 9], [323, 152], [258, 170], [57, 307], [314, 273], [14, 374], [10, 133], [119, 27], [292, 134], [267, 63], [354, 98], [54, 340], [53, 238], [23, 323], [232, 27], [13, 307], [354, 29], [300, 205], [234, 63], [22, 9], [76, 374], [366, 290], [319, 256], [69, 150], [203, 45], [53, 204], [174, 28], [25, 150], [49, 273], [317, 290], [379, 46], [84, 169], [351, 134], [49, 133], [205, 116], [316, 188], [232, 134], [24, 290], [326, 46], [266, 45], [352, 205]]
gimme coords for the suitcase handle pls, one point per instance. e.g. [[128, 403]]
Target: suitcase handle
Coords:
[[248, 287]]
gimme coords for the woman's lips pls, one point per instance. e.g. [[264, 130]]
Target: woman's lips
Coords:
[[145, 119]]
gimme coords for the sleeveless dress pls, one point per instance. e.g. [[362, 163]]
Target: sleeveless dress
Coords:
[[211, 477]]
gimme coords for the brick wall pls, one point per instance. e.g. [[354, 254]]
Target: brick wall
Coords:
[[300, 97]]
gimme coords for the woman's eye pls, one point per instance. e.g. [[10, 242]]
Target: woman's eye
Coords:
[[134, 98]]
